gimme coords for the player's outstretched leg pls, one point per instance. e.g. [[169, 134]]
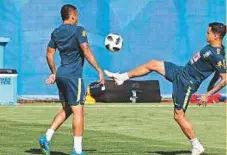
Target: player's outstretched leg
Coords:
[[44, 145], [153, 65]]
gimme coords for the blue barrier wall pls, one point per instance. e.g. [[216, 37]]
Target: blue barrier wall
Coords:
[[170, 30]]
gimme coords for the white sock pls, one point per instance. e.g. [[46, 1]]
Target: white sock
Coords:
[[195, 143], [124, 76], [78, 144], [49, 134]]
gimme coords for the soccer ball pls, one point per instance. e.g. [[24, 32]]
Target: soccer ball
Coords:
[[113, 42]]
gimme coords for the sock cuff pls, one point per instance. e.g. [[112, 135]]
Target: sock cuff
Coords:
[[194, 139], [49, 134], [78, 137], [50, 131]]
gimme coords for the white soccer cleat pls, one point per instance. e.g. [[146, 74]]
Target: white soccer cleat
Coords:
[[118, 78], [197, 151]]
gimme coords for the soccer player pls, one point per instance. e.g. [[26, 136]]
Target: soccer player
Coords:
[[186, 80], [72, 44]]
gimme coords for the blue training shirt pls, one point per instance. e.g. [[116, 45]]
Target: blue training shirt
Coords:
[[209, 60], [67, 39]]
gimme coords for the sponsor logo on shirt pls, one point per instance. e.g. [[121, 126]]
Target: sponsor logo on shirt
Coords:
[[195, 57], [207, 54]]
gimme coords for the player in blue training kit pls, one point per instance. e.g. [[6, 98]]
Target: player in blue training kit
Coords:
[[186, 80], [72, 44]]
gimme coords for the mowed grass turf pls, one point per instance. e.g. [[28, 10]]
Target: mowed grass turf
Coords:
[[113, 129]]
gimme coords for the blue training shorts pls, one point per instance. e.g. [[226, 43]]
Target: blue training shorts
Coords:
[[71, 90], [182, 87]]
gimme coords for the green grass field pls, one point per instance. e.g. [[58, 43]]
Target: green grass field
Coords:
[[113, 129]]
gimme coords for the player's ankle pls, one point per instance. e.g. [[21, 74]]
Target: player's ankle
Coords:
[[195, 143], [124, 76], [49, 134], [78, 144]]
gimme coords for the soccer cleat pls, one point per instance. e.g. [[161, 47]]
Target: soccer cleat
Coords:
[[197, 151], [74, 153], [118, 78], [44, 145]]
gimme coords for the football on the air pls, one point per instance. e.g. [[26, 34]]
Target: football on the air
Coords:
[[113, 42]]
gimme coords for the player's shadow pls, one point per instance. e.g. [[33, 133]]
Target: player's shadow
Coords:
[[180, 152], [38, 151]]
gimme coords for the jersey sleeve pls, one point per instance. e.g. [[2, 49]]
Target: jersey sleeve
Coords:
[[82, 36], [217, 60], [52, 43]]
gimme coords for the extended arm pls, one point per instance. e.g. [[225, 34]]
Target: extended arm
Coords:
[[91, 59]]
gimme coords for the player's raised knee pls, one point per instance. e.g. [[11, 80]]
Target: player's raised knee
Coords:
[[153, 64]]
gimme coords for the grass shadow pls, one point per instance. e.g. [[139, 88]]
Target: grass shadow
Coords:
[[38, 151], [183, 152]]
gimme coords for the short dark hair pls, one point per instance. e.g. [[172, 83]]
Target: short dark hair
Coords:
[[218, 28], [66, 11]]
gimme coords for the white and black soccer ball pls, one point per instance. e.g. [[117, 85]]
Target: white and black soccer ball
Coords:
[[113, 42]]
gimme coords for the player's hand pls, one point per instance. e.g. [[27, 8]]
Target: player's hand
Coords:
[[101, 77], [51, 79], [203, 100]]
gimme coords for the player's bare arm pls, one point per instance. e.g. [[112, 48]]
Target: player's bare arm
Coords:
[[219, 85], [213, 81], [215, 89], [51, 64], [91, 59], [50, 59]]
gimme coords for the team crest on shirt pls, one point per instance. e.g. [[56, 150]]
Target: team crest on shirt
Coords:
[[84, 33], [221, 64]]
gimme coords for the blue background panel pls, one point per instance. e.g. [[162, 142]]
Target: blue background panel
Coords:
[[170, 30]]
